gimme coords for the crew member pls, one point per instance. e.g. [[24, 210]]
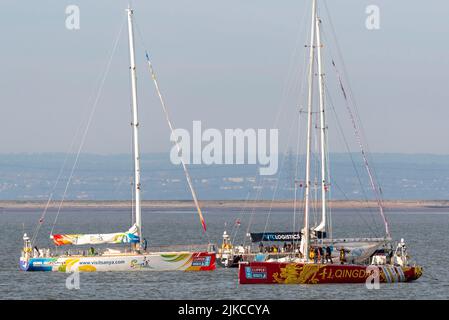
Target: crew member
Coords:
[[342, 255], [312, 254], [321, 254], [145, 244], [329, 254], [317, 255]]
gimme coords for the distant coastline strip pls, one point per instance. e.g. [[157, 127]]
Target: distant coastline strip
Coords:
[[281, 204]]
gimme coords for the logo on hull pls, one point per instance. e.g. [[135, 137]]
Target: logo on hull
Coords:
[[256, 272], [201, 261]]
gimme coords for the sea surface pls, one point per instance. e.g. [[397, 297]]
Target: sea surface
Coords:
[[426, 234]]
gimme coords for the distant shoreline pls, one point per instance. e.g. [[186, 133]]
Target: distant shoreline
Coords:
[[280, 204]]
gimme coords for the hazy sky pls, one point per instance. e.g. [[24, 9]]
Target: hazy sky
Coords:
[[226, 63]]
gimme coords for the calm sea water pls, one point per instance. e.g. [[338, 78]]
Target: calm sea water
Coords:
[[425, 232]]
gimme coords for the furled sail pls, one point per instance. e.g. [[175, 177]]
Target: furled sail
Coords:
[[130, 236]]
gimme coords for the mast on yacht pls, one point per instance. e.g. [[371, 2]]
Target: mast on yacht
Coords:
[[135, 126], [322, 226], [306, 241]]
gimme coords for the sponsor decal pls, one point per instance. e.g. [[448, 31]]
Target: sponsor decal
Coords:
[[256, 272], [329, 273], [108, 262], [42, 262], [275, 236], [145, 263], [201, 261], [278, 237]]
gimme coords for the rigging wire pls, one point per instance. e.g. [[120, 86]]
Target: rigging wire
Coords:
[[277, 181], [359, 179], [316, 160], [299, 147], [172, 129], [86, 130], [61, 170], [133, 209], [295, 181], [298, 81], [351, 156], [253, 209], [329, 189], [301, 85], [288, 87], [240, 216], [358, 127], [365, 160], [348, 149], [189, 180]]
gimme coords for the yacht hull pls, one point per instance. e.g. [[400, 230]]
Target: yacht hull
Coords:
[[310, 273], [157, 261]]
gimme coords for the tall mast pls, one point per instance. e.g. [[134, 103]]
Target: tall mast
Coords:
[[309, 134], [135, 125], [322, 225]]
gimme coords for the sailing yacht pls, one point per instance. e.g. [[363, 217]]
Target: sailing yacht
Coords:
[[354, 260], [134, 256]]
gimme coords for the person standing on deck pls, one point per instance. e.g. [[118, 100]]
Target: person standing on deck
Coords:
[[329, 254], [316, 255], [312, 254], [342, 255], [321, 254], [145, 244]]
